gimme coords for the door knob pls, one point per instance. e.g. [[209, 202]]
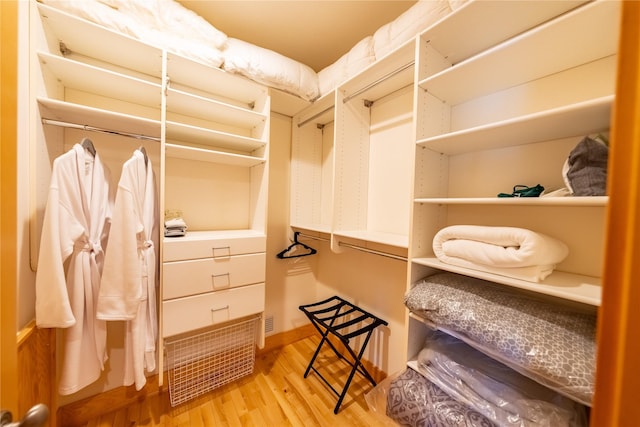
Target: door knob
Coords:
[[35, 417]]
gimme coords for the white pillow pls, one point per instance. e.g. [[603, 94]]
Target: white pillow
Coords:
[[351, 63], [98, 13], [270, 68], [171, 17], [408, 25]]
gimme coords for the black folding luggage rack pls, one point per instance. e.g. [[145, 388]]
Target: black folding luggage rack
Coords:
[[335, 316]]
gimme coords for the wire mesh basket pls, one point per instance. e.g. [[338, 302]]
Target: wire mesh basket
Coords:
[[202, 362]]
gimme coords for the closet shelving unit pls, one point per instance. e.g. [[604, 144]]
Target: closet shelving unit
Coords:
[[508, 111], [374, 155], [341, 156], [77, 85], [217, 133], [207, 133], [312, 161]]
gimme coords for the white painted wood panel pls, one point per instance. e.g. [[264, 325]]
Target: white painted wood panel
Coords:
[[191, 277], [195, 312]]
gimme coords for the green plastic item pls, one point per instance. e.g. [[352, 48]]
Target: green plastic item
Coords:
[[524, 191]]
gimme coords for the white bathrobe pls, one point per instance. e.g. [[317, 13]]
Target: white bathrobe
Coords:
[[128, 290], [74, 235]]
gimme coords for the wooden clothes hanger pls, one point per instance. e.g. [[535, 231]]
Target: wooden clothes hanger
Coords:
[[294, 246]]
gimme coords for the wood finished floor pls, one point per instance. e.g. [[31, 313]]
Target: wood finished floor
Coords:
[[276, 394]]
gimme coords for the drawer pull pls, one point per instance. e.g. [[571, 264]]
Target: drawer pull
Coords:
[[226, 307], [216, 278], [227, 249]]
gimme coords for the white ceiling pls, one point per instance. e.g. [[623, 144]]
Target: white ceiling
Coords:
[[314, 32]]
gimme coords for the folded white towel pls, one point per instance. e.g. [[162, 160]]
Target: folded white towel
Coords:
[[175, 223], [509, 251]]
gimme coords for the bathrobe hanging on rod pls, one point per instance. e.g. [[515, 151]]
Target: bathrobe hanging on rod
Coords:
[[75, 230], [128, 290]]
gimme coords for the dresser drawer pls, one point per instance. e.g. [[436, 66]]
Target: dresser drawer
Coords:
[[199, 311], [183, 278], [207, 244]]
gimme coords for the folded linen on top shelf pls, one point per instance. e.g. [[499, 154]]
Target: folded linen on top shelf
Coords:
[[507, 251]]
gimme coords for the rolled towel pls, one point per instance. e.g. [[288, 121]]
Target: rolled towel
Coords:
[[509, 251]]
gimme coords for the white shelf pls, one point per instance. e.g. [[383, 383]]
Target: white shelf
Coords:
[[572, 120], [99, 81], [88, 116], [573, 287], [320, 112], [316, 228], [94, 41], [213, 138], [211, 156], [390, 239], [596, 201], [445, 36], [393, 72], [552, 47], [194, 236], [193, 105], [190, 73]]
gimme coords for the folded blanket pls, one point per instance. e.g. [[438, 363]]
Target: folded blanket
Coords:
[[508, 251]]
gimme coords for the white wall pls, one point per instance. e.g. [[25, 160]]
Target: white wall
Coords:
[[375, 284], [290, 282]]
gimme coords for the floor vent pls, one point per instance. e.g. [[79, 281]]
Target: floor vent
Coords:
[[268, 324]]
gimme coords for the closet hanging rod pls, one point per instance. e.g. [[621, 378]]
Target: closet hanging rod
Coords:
[[315, 116], [97, 129], [322, 239], [377, 82], [372, 251]]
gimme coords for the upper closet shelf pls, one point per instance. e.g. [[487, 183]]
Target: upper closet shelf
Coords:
[[391, 73], [52, 109], [211, 138], [93, 41], [552, 47], [320, 113], [234, 88], [573, 287], [455, 45], [87, 78], [595, 201], [573, 120], [211, 156], [192, 105]]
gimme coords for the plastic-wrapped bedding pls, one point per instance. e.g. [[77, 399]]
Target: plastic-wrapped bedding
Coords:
[[409, 399], [492, 388], [549, 342], [270, 68]]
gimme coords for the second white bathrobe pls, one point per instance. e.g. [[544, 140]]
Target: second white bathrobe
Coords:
[[128, 290]]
